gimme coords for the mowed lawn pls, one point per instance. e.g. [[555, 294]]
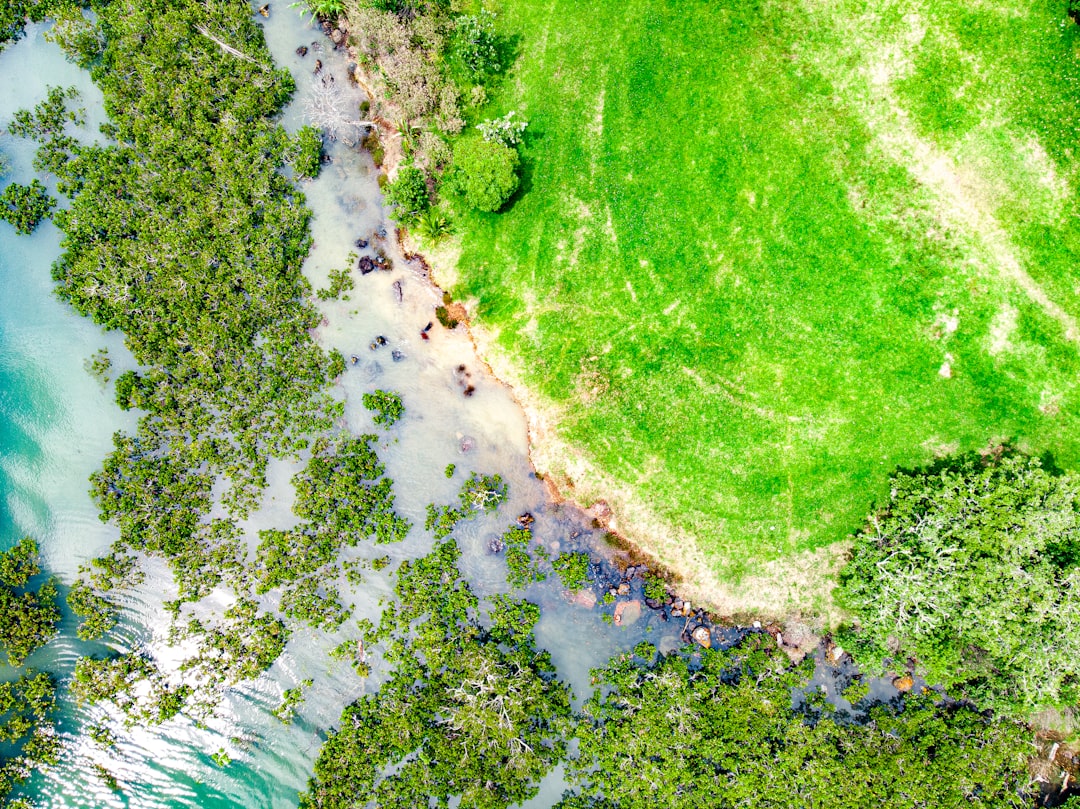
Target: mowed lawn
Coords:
[[767, 252]]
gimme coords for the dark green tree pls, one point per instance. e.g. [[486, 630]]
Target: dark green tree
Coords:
[[973, 569]]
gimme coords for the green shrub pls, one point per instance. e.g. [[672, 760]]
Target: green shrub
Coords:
[[24, 206], [655, 588], [573, 569], [409, 194], [387, 406], [475, 44], [305, 152], [485, 173]]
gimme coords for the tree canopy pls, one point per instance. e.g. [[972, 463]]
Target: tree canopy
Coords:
[[973, 569]]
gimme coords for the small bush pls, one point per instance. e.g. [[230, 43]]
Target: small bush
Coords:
[[305, 152], [409, 194], [476, 46], [24, 206], [486, 173], [387, 406], [573, 569], [442, 314]]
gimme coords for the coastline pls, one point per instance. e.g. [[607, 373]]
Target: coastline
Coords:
[[778, 594], [793, 591]]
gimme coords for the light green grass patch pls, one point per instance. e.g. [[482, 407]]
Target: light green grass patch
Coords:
[[761, 255]]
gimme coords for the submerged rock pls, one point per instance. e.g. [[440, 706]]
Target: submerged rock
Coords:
[[301, 51], [626, 612], [903, 683], [581, 598]]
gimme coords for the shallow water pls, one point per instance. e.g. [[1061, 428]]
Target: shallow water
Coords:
[[55, 428]]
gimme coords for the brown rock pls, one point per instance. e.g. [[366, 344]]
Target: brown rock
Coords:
[[582, 598], [265, 10], [336, 36], [624, 589], [702, 636], [903, 683], [627, 612]]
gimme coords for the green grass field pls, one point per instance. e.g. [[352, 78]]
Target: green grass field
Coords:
[[766, 252]]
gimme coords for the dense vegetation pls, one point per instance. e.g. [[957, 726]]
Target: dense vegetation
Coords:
[[469, 712], [434, 62], [972, 568], [24, 206], [184, 232], [719, 730], [27, 737], [28, 620], [28, 617], [768, 252]]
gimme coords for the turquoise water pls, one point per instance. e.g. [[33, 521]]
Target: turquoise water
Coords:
[[56, 423]]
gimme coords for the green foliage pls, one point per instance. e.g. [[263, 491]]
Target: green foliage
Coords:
[[15, 13], [28, 618], [486, 172], [504, 130], [341, 281], [408, 193], [441, 520], [239, 646], [475, 44], [19, 563], [50, 118], [27, 733], [434, 224], [449, 471], [856, 690], [573, 569], [98, 614], [721, 733], [25, 205], [305, 153], [352, 651], [133, 683], [466, 712], [102, 736], [655, 588], [291, 698], [221, 758], [326, 9], [482, 492], [522, 569], [973, 568], [386, 405], [76, 35], [316, 604]]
